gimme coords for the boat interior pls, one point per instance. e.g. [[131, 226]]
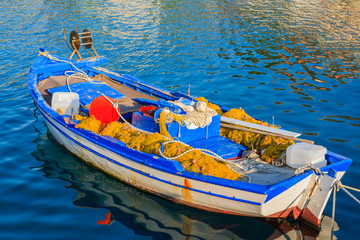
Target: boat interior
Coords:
[[126, 104], [208, 138], [205, 138]]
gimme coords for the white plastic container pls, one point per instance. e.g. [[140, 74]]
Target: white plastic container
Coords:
[[301, 154], [68, 102]]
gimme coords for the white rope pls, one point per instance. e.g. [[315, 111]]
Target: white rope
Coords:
[[336, 188], [205, 151], [71, 74], [193, 149], [340, 185], [52, 58], [309, 166], [115, 105], [200, 119], [337, 185], [333, 211]]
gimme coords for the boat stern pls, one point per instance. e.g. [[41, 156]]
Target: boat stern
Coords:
[[319, 195]]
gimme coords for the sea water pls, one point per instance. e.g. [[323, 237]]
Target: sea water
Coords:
[[295, 60]]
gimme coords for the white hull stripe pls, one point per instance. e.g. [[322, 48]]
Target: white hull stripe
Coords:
[[145, 174]]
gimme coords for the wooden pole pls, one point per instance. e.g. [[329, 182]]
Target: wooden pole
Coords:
[[240, 123], [266, 133]]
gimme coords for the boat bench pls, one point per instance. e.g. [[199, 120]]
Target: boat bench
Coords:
[[88, 91], [222, 146], [182, 133]]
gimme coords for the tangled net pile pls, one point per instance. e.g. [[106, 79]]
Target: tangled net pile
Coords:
[[270, 147], [194, 161]]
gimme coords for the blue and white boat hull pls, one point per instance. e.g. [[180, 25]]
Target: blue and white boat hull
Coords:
[[304, 195]]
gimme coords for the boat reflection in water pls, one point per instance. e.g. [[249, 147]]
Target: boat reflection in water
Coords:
[[157, 217]]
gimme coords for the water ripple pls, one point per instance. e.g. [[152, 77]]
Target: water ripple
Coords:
[[295, 60]]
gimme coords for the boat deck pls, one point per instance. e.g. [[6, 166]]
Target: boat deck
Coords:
[[126, 103]]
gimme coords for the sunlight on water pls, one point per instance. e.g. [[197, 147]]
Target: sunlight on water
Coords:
[[295, 60]]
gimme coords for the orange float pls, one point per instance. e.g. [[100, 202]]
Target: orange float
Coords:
[[101, 108]]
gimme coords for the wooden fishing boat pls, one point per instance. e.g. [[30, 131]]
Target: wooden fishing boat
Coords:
[[301, 194]]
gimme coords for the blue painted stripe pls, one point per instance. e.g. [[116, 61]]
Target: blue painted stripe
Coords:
[[146, 174]]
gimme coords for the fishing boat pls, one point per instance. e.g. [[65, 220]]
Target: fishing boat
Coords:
[[178, 146]]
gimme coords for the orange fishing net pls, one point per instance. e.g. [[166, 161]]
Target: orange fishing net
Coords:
[[194, 161]]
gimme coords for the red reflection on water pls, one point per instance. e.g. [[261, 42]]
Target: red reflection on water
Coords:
[[107, 220]]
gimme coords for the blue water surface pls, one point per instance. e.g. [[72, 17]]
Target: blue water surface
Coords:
[[295, 60]]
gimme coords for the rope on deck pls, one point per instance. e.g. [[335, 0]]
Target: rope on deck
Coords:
[[205, 151], [70, 74], [309, 166]]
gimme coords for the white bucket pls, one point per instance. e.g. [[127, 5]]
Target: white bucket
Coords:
[[301, 154], [68, 102]]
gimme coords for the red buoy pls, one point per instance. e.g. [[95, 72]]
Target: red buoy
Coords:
[[102, 109]]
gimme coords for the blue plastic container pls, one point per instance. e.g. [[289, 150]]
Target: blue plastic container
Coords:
[[175, 130]]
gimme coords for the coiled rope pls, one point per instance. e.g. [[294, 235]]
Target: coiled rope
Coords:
[[309, 166], [200, 119], [170, 116]]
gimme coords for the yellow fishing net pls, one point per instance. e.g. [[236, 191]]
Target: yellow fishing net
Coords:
[[194, 161], [270, 147], [162, 125], [210, 105], [91, 123]]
